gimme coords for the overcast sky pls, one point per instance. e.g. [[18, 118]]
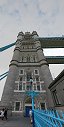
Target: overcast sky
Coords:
[[44, 16]]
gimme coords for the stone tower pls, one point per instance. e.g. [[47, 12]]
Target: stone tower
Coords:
[[28, 63]]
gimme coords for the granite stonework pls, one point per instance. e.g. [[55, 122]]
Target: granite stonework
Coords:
[[28, 61], [57, 91]]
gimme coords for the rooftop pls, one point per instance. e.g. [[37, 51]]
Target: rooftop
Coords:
[[56, 79]]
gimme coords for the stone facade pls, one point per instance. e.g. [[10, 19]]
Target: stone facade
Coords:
[[57, 91], [28, 62]]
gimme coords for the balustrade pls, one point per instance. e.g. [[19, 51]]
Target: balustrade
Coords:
[[48, 118]]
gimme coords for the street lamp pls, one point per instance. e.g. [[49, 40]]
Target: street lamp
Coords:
[[32, 94]]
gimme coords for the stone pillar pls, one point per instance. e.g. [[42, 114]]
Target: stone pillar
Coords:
[[45, 73], [8, 92]]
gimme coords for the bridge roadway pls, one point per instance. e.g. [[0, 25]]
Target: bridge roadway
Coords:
[[16, 120]]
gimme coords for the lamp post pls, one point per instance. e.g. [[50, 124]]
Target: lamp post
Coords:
[[32, 93]]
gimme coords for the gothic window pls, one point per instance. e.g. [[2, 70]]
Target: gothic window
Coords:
[[28, 58], [21, 71], [42, 105], [34, 86], [55, 97], [22, 58], [36, 72], [34, 58], [42, 86], [20, 78], [29, 76], [20, 86], [38, 87], [28, 87], [17, 106], [23, 86], [37, 79]]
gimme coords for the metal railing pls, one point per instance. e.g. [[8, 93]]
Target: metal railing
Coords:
[[48, 118]]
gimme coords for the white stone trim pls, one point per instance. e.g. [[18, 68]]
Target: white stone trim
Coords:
[[40, 87], [29, 104], [16, 81], [14, 106], [45, 106], [19, 91], [32, 87], [42, 91], [17, 111]]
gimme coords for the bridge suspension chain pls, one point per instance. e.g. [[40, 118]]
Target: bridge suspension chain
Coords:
[[7, 46], [3, 75]]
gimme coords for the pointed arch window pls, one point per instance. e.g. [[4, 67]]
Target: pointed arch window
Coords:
[[22, 58], [21, 72], [29, 76], [34, 58], [36, 72], [28, 58]]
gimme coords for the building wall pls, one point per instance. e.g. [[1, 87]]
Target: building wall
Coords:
[[28, 55], [57, 91]]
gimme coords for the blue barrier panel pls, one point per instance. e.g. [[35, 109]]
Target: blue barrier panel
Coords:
[[48, 118]]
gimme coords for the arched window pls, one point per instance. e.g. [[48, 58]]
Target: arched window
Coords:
[[34, 58], [28, 58], [22, 58], [29, 76]]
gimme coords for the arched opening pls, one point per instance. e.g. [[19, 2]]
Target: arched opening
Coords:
[[28, 105], [29, 76], [28, 100]]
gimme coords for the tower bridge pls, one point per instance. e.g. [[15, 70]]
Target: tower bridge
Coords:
[[52, 42], [28, 62]]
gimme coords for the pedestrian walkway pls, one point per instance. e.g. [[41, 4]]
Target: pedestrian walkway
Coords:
[[17, 120]]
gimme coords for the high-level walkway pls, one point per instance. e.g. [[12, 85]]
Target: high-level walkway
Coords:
[[16, 120]]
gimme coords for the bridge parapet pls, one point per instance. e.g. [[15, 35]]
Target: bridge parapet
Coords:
[[48, 118]]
